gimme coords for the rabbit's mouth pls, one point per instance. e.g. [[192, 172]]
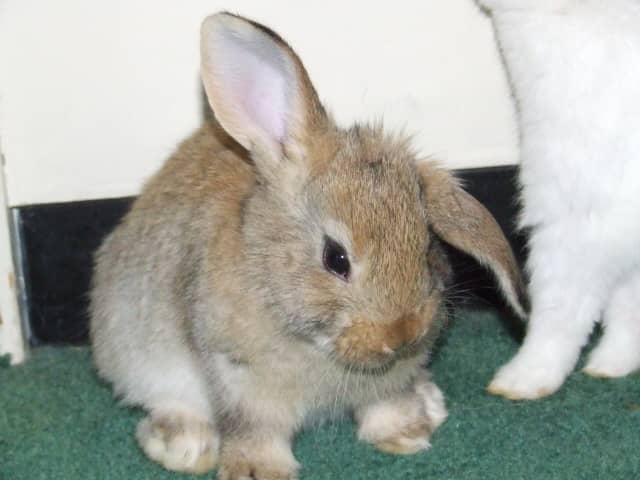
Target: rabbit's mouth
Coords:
[[373, 343], [381, 364], [378, 361]]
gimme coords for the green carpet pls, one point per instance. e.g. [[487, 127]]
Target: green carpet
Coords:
[[57, 421]]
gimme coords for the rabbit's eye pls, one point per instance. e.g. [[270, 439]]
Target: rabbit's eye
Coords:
[[335, 258]]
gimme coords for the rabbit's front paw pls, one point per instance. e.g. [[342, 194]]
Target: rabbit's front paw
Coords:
[[403, 425], [618, 353], [529, 377], [179, 442], [614, 357], [252, 461]]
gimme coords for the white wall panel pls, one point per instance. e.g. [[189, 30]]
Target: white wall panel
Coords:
[[95, 94]]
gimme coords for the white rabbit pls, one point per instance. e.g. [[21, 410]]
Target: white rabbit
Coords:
[[574, 66]]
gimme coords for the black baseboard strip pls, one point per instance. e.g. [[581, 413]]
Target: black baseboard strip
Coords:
[[57, 242]]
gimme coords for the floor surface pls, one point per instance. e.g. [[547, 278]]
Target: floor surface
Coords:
[[58, 421]]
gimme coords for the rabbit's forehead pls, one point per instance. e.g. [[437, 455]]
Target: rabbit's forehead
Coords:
[[368, 185], [380, 205], [380, 209]]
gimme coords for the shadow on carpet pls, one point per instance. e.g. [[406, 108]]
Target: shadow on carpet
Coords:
[[57, 421]]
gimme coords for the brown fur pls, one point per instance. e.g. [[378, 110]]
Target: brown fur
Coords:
[[211, 305]]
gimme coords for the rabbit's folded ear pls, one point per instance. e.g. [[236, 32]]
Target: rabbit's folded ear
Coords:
[[257, 87], [464, 223]]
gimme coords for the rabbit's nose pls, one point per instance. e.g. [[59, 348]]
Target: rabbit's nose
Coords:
[[366, 340], [410, 328], [406, 329]]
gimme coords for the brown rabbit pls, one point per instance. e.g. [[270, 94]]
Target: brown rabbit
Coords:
[[279, 268]]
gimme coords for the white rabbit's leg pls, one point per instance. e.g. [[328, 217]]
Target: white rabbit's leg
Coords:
[[548, 354], [566, 290], [403, 424], [179, 438], [618, 352]]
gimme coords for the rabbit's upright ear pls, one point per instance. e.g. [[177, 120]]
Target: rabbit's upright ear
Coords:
[[461, 221], [258, 88]]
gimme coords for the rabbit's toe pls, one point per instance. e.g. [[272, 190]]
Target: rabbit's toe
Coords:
[[413, 439], [246, 470], [251, 460], [179, 443]]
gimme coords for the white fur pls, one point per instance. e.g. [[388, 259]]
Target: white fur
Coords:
[[575, 70], [618, 353]]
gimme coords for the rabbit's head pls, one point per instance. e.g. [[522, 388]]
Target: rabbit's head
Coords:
[[343, 229]]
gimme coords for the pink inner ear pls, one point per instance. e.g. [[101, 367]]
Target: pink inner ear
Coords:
[[256, 79], [265, 101]]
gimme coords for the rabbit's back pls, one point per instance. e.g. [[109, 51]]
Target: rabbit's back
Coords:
[[147, 270]]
